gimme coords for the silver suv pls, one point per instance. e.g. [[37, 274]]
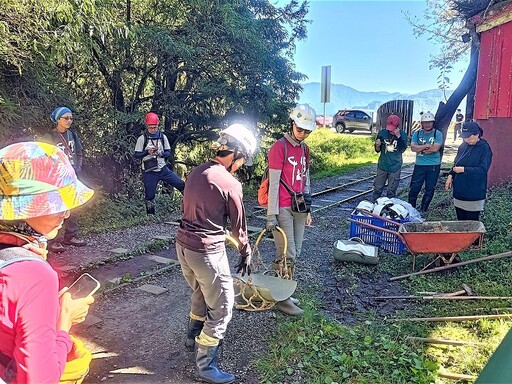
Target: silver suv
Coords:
[[352, 119]]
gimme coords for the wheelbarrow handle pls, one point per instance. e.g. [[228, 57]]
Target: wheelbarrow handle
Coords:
[[377, 216], [378, 228]]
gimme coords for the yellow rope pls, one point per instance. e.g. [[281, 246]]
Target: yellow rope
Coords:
[[248, 298]]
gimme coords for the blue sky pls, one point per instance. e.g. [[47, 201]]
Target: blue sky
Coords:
[[370, 46]]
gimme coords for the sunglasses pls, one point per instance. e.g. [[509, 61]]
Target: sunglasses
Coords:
[[67, 117], [301, 130]]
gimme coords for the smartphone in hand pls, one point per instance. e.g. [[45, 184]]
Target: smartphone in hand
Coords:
[[84, 286]]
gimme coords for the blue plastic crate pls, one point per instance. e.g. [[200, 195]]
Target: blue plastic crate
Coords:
[[386, 241]]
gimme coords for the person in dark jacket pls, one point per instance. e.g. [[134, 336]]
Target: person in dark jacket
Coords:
[[68, 141], [459, 118], [468, 176]]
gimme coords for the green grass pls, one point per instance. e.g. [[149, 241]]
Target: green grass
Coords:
[[314, 349], [317, 349], [334, 154]]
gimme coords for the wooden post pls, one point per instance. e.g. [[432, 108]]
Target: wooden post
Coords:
[[440, 297], [456, 376], [455, 318], [429, 340], [492, 257]]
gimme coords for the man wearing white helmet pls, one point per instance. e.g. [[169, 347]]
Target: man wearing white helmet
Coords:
[[212, 195], [426, 143], [288, 162]]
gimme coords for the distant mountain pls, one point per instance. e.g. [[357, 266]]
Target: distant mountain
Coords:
[[343, 96]]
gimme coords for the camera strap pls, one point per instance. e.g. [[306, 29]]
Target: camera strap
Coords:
[[288, 188], [65, 142]]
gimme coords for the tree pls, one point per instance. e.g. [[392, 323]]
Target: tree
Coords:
[[446, 22], [34, 34], [199, 64], [196, 63]]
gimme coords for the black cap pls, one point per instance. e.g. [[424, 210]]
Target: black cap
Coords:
[[470, 128]]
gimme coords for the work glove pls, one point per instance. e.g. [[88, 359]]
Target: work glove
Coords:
[[244, 265], [271, 222]]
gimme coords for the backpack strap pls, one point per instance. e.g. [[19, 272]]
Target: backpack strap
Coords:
[[146, 139], [283, 139], [10, 255]]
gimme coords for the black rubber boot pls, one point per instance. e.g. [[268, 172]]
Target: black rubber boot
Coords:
[[150, 207], [194, 329], [207, 368]]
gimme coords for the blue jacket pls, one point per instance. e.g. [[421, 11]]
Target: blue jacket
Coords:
[[471, 185]]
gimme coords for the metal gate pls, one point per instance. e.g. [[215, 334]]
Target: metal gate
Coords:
[[402, 108]]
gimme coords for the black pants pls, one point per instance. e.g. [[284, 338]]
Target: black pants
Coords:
[[456, 131], [467, 215], [427, 174]]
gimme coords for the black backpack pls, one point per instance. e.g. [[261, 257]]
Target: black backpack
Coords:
[[146, 140]]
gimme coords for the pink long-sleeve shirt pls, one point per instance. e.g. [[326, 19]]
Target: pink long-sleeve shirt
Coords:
[[29, 311]]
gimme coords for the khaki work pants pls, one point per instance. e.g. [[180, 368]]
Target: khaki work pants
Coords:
[[208, 274], [292, 223]]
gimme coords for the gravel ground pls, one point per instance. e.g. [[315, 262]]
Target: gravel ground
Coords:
[[141, 336]]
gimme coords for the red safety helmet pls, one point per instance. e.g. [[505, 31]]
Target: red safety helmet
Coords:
[[151, 119]]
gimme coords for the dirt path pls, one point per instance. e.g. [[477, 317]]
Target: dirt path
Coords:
[[138, 337]]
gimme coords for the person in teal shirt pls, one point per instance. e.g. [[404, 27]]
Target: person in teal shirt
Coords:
[[391, 144], [426, 143]]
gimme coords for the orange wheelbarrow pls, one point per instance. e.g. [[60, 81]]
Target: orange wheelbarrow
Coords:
[[442, 238]]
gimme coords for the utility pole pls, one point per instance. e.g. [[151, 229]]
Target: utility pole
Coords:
[[325, 92]]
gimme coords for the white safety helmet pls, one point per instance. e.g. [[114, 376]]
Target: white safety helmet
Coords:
[[304, 116], [384, 201], [398, 211], [237, 135], [380, 209], [427, 116], [365, 205]]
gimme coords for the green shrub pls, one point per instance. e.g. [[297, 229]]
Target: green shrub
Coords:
[[104, 213]]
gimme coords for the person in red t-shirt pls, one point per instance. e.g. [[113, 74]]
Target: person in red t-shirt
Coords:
[[289, 174]]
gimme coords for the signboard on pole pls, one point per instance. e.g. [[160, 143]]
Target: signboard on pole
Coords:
[[325, 96]]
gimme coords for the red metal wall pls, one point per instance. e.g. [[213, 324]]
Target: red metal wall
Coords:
[[493, 96], [497, 133]]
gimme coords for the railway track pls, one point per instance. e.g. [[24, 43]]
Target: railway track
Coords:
[[342, 196]]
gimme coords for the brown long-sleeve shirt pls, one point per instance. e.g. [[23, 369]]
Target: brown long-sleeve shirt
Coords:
[[211, 197]]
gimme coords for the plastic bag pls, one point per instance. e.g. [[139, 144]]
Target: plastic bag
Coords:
[[414, 214]]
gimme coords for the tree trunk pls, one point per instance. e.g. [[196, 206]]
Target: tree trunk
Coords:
[[470, 104], [446, 110]]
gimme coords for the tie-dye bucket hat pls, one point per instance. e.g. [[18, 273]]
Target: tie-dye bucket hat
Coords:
[[36, 179]]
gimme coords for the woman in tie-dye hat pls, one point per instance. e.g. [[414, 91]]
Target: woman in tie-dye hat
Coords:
[[38, 188]]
